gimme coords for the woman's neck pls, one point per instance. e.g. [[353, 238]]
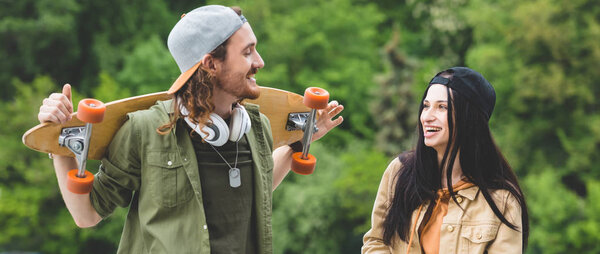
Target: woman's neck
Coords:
[[457, 173]]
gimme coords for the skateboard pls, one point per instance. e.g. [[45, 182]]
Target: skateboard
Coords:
[[91, 129]]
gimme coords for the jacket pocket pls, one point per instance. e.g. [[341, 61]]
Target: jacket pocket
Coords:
[[476, 237], [169, 182]]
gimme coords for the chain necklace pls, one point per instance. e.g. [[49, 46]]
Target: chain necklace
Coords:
[[234, 172]]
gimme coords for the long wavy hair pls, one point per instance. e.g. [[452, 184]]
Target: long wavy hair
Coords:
[[480, 158], [196, 94]]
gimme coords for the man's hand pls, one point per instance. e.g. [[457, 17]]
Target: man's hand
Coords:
[[325, 120], [57, 108]]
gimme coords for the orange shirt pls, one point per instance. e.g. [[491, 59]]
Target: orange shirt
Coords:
[[430, 233]]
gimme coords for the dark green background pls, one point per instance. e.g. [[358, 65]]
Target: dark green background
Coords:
[[375, 57]]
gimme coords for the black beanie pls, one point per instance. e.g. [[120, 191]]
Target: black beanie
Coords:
[[470, 84]]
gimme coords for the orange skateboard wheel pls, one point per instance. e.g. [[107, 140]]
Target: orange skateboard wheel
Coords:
[[316, 98], [303, 166], [80, 185], [91, 111]]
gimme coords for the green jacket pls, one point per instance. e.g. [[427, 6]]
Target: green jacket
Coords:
[[157, 177]]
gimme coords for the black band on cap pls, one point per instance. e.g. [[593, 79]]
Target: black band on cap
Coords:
[[440, 80]]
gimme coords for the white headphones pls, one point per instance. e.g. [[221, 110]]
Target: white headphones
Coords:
[[217, 129]]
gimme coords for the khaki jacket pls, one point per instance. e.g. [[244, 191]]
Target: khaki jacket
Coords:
[[474, 230]]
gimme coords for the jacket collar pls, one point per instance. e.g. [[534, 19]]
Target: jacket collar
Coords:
[[469, 193]]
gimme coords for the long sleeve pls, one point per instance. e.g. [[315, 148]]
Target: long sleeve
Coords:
[[373, 239], [119, 173], [509, 240]]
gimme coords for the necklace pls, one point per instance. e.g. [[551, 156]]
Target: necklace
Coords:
[[234, 172]]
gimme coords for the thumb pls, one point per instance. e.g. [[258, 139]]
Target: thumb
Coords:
[[66, 91]]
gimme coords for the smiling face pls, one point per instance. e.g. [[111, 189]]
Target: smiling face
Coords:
[[235, 74], [434, 118]]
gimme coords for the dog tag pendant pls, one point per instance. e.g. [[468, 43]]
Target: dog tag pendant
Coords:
[[235, 177]]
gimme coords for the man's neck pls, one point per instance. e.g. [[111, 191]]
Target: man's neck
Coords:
[[223, 102]]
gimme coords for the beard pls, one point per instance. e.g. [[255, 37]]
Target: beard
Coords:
[[238, 84]]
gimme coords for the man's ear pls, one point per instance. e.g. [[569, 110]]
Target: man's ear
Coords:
[[209, 63]]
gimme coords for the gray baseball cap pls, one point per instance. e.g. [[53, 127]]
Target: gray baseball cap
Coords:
[[198, 33]]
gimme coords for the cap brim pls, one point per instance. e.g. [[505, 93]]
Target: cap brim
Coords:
[[183, 78]]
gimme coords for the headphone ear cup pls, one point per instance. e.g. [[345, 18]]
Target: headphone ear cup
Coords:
[[215, 133], [247, 123], [219, 128], [240, 123]]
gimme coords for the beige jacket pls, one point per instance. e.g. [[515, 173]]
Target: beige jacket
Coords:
[[474, 230]]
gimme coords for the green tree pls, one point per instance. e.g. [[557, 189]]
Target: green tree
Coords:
[[149, 68], [33, 216], [36, 38], [394, 106], [541, 57], [321, 43], [330, 210]]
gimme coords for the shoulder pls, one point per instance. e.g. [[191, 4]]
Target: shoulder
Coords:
[[398, 164], [507, 203], [393, 167], [390, 176], [152, 117], [158, 112], [503, 198]]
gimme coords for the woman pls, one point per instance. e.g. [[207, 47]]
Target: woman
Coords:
[[455, 193]]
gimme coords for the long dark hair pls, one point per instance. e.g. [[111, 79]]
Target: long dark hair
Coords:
[[480, 158]]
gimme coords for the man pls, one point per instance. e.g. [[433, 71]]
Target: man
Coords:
[[179, 189]]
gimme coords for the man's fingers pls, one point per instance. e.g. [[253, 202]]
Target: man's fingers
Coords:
[[336, 110], [56, 109], [60, 105], [332, 109], [338, 121], [48, 117], [331, 105], [59, 112], [59, 98]]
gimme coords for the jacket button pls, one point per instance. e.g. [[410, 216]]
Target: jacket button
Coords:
[[169, 163], [205, 227], [459, 199], [450, 228], [478, 236]]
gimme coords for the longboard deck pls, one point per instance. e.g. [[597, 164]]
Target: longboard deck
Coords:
[[276, 104]]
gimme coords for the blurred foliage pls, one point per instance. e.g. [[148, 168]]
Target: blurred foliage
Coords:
[[337, 198], [395, 106], [375, 57], [33, 215]]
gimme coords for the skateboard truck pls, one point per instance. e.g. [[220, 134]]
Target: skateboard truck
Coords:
[[77, 140], [297, 121], [315, 98]]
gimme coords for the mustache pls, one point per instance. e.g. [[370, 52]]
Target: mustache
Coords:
[[252, 71]]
